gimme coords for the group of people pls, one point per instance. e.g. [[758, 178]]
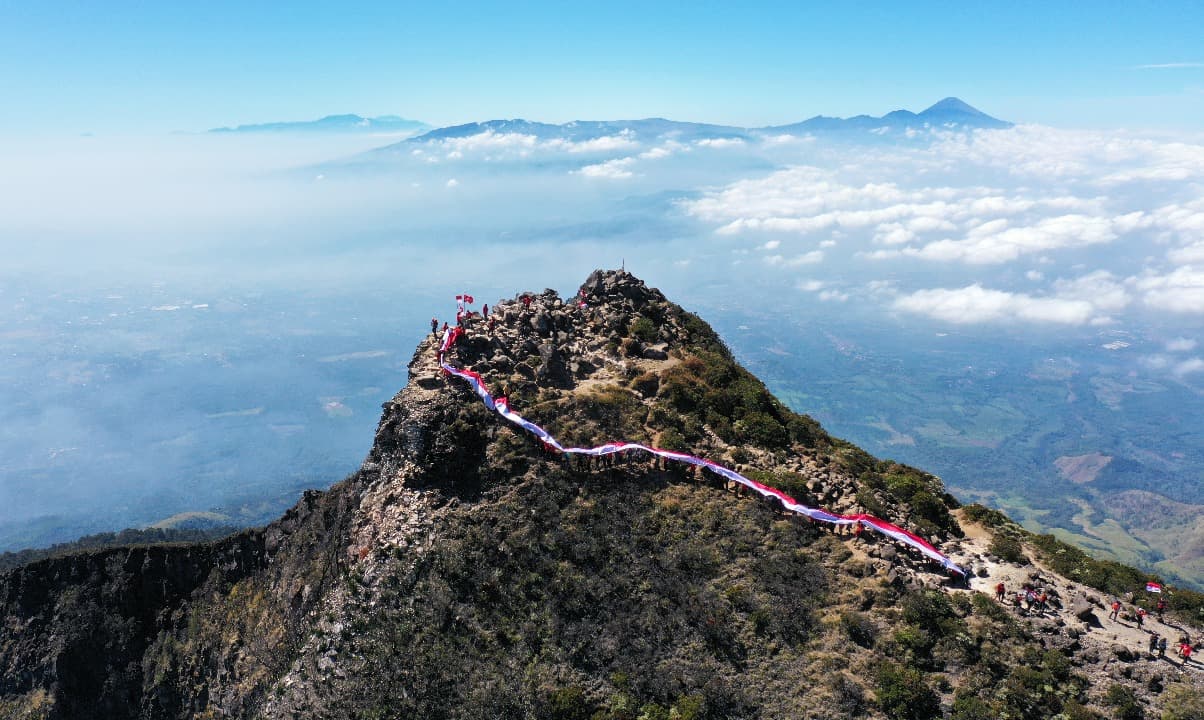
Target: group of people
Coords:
[[465, 316], [1029, 598], [1158, 645], [1139, 613]]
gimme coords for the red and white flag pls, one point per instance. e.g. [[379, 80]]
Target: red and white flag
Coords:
[[466, 298], [1153, 587]]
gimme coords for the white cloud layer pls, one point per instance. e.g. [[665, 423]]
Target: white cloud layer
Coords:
[[617, 169], [975, 304]]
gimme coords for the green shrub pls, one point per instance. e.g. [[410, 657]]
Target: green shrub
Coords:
[[1007, 548], [646, 384], [1183, 702], [643, 329], [985, 515], [569, 703], [672, 439], [972, 707], [859, 628], [761, 429], [1124, 703], [904, 695]]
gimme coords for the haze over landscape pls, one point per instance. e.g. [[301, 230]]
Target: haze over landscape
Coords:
[[843, 361], [197, 325]]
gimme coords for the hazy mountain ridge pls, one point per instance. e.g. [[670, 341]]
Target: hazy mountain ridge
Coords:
[[347, 123], [464, 573], [943, 114]]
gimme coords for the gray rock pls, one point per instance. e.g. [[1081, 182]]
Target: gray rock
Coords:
[[1083, 610]]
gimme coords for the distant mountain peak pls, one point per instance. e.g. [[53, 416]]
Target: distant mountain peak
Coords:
[[952, 104]]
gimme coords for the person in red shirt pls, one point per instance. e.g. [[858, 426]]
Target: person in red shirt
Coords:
[[1115, 610]]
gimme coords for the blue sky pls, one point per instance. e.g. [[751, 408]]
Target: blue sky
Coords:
[[158, 67]]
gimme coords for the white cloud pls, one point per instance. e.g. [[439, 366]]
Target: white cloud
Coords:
[[771, 245], [929, 223], [1097, 157], [1180, 344], [810, 285], [624, 141], [975, 304], [833, 296], [490, 140], [1189, 366], [1181, 290], [994, 226], [808, 258], [785, 139], [1047, 234], [1034, 275], [720, 142], [616, 169], [893, 234], [1100, 288], [663, 151], [452, 183]]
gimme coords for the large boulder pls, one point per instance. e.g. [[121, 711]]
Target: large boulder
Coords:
[[1083, 610]]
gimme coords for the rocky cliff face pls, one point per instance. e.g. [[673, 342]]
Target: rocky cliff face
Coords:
[[465, 573]]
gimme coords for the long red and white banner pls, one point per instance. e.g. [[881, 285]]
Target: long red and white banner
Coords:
[[501, 406]]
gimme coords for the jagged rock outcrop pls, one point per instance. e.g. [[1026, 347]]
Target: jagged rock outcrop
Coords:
[[465, 573]]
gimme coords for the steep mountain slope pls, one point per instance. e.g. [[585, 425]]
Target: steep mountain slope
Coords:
[[464, 572]]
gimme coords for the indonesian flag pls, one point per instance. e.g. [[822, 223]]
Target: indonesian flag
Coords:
[[1153, 587], [466, 298]]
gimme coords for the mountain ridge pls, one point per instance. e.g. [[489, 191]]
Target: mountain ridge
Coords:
[[344, 123], [950, 112], [464, 572]]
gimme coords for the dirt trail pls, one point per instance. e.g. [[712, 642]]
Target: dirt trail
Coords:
[[1106, 634]]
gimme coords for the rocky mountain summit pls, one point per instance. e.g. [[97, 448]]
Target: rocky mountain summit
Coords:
[[466, 572]]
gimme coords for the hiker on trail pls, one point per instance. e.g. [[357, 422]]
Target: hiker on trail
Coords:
[[492, 322], [1043, 600], [485, 310], [1115, 610], [1185, 653], [857, 528], [1161, 647], [527, 303], [999, 591], [434, 325], [1161, 608], [444, 327], [1140, 617], [1154, 643]]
